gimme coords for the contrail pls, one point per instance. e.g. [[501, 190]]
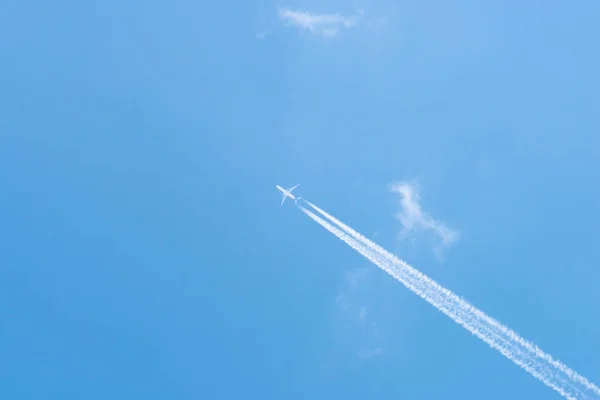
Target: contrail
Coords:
[[528, 356], [505, 330]]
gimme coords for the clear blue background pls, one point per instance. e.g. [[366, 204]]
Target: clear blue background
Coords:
[[143, 252]]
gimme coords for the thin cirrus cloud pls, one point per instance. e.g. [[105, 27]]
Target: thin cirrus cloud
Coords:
[[413, 218], [328, 25], [358, 329]]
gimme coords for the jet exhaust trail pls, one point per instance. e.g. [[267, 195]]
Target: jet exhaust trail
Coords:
[[525, 354]]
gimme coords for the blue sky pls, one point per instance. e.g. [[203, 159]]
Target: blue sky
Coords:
[[143, 252]]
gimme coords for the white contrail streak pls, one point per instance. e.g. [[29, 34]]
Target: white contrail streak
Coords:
[[523, 353], [505, 330]]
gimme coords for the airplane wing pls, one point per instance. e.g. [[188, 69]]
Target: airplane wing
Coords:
[[283, 199], [292, 188]]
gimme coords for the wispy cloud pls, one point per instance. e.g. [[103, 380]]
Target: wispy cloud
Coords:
[[361, 331], [263, 34], [377, 351], [327, 25], [414, 218]]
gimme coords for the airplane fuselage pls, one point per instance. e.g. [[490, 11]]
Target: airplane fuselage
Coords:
[[285, 192], [288, 193]]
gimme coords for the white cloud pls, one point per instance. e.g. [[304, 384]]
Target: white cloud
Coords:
[[327, 25], [413, 217]]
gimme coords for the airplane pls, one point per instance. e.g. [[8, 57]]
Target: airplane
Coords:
[[288, 193]]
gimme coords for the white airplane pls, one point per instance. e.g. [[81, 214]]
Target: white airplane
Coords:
[[288, 193]]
